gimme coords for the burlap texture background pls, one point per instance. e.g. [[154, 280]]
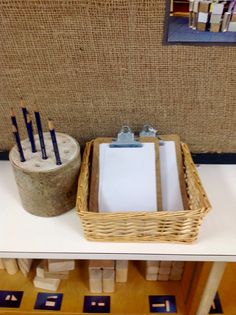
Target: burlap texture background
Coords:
[[93, 66]]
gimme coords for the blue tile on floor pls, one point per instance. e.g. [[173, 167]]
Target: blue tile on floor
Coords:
[[48, 301], [10, 299], [162, 304], [96, 304]]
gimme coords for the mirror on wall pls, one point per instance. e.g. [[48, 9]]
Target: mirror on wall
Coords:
[[201, 21]]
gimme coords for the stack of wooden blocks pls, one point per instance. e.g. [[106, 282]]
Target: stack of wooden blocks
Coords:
[[49, 273], [104, 273], [213, 16], [12, 265], [163, 270]]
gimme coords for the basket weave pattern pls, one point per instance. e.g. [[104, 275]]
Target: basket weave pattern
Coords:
[[163, 226]]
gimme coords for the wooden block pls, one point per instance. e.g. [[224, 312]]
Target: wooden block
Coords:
[[164, 270], [152, 270], [57, 265], [122, 264], [215, 28], [24, 265], [165, 264], [203, 6], [194, 20], [121, 270], [190, 21], [1, 264], [202, 17], [175, 277], [191, 5], [46, 284], [153, 263], [56, 275], [177, 271], [42, 272], [101, 264], [40, 269], [178, 264], [233, 17], [162, 277], [10, 265], [108, 280], [151, 277], [232, 27], [201, 26], [195, 6], [217, 8], [226, 21], [215, 18], [95, 280]]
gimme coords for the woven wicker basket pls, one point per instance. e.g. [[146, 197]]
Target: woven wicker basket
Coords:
[[161, 226]]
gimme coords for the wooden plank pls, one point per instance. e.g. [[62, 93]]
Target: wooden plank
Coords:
[[211, 287], [24, 266], [201, 273], [101, 264]]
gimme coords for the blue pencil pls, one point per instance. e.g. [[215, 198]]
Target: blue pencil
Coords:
[[30, 133], [24, 110], [40, 133], [13, 119], [18, 143], [54, 142]]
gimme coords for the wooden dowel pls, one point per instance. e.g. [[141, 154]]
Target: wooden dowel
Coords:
[[31, 133], [18, 143], [54, 142], [40, 133]]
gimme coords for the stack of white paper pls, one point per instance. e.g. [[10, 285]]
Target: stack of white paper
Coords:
[[127, 178]]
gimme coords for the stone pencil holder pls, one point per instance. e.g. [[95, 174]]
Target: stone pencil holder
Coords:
[[47, 189]]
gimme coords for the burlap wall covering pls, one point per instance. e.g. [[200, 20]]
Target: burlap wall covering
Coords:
[[95, 65]]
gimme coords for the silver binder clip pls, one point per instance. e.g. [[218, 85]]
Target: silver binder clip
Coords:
[[148, 131], [125, 139]]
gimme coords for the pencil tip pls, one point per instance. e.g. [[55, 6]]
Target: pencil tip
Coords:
[[22, 103], [14, 128], [50, 124], [12, 112], [36, 107]]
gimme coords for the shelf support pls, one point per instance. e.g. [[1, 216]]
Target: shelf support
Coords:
[[211, 287]]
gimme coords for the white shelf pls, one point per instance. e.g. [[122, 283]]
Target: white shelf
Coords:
[[23, 235]]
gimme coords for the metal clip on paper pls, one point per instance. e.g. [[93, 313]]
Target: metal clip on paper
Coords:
[[125, 139], [148, 131]]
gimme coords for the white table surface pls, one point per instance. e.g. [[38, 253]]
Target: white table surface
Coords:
[[23, 235]]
